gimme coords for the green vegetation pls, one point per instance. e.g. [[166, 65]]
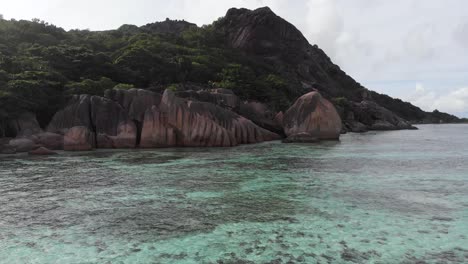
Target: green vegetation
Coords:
[[41, 65]]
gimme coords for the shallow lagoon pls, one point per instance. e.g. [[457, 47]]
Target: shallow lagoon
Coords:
[[379, 197]]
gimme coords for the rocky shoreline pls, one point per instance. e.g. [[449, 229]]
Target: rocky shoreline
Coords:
[[138, 118]]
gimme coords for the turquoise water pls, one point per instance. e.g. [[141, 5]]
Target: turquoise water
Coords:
[[379, 197]]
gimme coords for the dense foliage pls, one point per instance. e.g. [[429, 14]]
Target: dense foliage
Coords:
[[41, 64]]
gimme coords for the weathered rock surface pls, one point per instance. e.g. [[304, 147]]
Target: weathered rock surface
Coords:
[[261, 115], [110, 120], [314, 116], [7, 149], [104, 118], [178, 122], [42, 151], [182, 128], [134, 101], [22, 144], [79, 138], [76, 113], [25, 125], [243, 130]]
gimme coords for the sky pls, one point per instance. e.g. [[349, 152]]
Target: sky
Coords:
[[416, 50]]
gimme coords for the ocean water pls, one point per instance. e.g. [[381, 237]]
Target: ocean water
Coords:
[[379, 197]]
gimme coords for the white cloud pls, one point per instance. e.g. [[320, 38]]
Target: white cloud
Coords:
[[455, 101]]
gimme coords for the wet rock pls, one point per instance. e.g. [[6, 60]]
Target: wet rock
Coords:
[[22, 144], [42, 151], [79, 138], [314, 115]]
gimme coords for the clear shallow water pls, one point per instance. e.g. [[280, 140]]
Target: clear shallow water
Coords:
[[380, 197]]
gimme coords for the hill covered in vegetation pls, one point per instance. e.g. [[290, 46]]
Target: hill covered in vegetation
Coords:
[[256, 54]]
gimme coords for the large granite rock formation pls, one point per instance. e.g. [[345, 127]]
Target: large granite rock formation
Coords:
[[313, 117], [261, 115], [134, 101], [111, 124], [167, 121], [178, 122], [25, 125], [104, 118]]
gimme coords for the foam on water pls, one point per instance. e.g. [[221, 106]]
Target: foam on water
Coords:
[[387, 197]]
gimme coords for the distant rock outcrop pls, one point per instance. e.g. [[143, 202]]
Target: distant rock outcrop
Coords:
[[312, 117], [375, 117]]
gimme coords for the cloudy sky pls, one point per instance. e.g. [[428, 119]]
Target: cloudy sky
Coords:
[[416, 50]]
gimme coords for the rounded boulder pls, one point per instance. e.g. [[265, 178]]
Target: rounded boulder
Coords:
[[312, 115]]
